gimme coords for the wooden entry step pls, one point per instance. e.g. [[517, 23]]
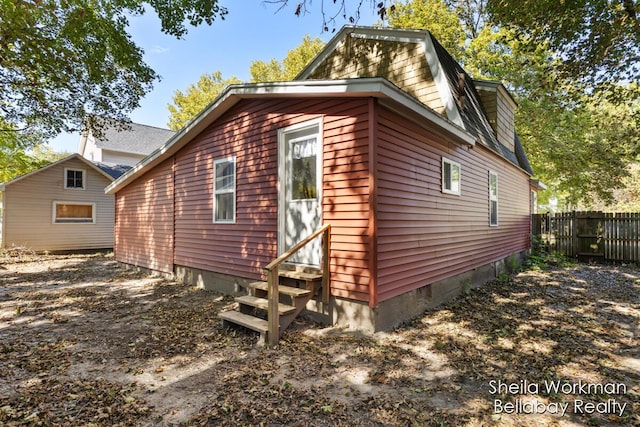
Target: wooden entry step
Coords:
[[284, 290], [292, 300], [248, 321], [262, 303], [300, 275]]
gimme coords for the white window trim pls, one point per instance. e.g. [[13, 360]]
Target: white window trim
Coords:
[[60, 202], [456, 164], [84, 179], [231, 159], [494, 198]]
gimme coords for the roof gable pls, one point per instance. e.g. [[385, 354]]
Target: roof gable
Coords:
[[401, 60], [439, 81], [411, 75], [104, 170]]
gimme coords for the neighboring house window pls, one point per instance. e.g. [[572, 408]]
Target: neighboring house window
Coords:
[[493, 198], [74, 178], [224, 190], [450, 177], [74, 213]]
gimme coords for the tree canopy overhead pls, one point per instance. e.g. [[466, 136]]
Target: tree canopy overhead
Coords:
[[63, 61], [597, 40]]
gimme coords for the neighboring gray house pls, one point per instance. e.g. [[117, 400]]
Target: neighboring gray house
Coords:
[[124, 147], [60, 207]]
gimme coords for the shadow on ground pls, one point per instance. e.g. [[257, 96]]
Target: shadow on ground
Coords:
[[84, 340]]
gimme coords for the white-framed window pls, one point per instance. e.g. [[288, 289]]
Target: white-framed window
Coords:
[[74, 212], [224, 190], [451, 177], [493, 198], [75, 179]]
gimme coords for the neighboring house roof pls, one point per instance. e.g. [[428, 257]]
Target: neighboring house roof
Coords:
[[111, 172], [134, 138], [456, 88], [115, 171], [376, 87]]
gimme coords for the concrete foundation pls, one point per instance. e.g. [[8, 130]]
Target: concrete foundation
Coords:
[[357, 315], [210, 280]]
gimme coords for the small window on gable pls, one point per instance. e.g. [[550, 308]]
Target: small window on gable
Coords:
[[493, 198], [224, 190], [74, 213], [74, 179], [450, 177]]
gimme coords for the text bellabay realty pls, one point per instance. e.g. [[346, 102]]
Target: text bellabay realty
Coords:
[[535, 406]]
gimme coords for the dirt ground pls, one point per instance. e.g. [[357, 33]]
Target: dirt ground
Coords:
[[84, 341]]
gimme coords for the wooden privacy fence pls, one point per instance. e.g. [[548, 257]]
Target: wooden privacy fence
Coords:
[[594, 236]]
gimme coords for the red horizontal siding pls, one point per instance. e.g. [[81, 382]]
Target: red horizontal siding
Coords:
[[346, 197], [144, 220], [249, 132], [425, 235], [422, 235]]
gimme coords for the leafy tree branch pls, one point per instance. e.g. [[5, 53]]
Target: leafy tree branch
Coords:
[[61, 61]]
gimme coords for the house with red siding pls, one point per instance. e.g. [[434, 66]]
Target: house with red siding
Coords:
[[413, 168]]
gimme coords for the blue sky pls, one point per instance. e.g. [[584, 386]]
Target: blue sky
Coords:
[[253, 30]]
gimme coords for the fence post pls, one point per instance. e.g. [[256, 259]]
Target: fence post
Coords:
[[576, 241]]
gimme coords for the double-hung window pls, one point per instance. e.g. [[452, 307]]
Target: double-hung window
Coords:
[[493, 198], [74, 179], [224, 190], [450, 177]]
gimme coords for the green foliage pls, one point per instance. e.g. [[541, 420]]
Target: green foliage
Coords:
[[432, 15], [271, 71], [625, 199], [15, 162], [579, 124], [63, 60], [13, 158], [581, 151], [44, 153], [186, 105], [291, 65], [599, 41], [542, 259]]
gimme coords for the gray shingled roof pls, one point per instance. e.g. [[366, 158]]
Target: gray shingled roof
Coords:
[[473, 114], [139, 139], [114, 171]]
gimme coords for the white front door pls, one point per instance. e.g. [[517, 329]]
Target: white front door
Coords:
[[300, 190]]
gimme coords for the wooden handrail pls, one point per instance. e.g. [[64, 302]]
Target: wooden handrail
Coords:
[[273, 318], [282, 258]]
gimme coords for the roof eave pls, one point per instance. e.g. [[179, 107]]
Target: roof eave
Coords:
[[365, 87], [50, 165]]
